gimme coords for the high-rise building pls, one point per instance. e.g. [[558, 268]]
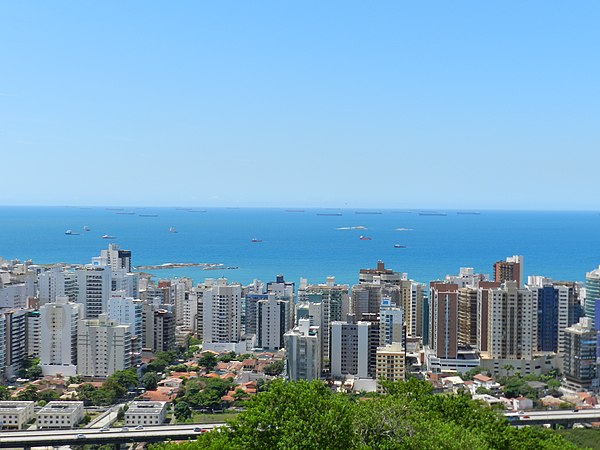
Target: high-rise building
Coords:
[[592, 294], [273, 320], [391, 363], [383, 275], [350, 349], [512, 322], [467, 316], [443, 327], [391, 323], [55, 282], [117, 258], [303, 352], [33, 334], [58, 325], [221, 312], [103, 347], [509, 270], [580, 368], [483, 295], [127, 310], [327, 303], [15, 340], [366, 299], [94, 287]]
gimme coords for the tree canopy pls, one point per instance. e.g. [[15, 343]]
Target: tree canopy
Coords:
[[308, 415]]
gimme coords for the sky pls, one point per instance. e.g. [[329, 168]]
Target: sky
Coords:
[[432, 104]]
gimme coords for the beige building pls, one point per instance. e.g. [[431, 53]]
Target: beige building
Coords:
[[390, 363], [56, 415], [512, 322], [103, 347], [15, 415]]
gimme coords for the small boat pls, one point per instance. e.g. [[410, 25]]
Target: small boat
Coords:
[[86, 228], [108, 236], [329, 214], [255, 240], [148, 215], [364, 238], [70, 233], [172, 230], [399, 246]]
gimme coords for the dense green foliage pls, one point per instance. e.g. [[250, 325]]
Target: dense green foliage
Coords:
[[583, 437], [275, 368], [205, 393], [307, 415], [113, 389]]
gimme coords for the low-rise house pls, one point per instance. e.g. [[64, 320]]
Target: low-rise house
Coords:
[[171, 382], [486, 382], [521, 403], [146, 413], [15, 415], [57, 415]]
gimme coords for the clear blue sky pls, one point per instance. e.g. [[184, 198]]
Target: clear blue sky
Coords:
[[426, 104]]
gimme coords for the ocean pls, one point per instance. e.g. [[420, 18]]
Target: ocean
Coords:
[[309, 243]]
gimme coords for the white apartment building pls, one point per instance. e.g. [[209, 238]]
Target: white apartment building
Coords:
[[103, 347], [391, 323], [117, 258], [15, 415], [303, 352], [145, 413], [56, 282], [126, 310], [13, 294], [60, 415], [94, 287], [221, 312], [58, 325]]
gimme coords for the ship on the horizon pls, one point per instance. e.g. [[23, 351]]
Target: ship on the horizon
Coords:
[[364, 238], [70, 233], [432, 213], [399, 246], [255, 240], [86, 228], [107, 236], [172, 230]]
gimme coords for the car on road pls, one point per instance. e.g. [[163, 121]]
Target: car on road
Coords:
[[104, 429], [200, 430], [139, 427], [81, 436], [124, 429]]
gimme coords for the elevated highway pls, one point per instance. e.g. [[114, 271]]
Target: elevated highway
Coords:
[[88, 436]]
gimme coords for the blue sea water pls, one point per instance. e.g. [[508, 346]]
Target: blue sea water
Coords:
[[560, 245]]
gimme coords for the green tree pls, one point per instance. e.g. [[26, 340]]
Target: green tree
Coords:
[[208, 361], [275, 368], [127, 378], [5, 393], [150, 381], [48, 395], [182, 411]]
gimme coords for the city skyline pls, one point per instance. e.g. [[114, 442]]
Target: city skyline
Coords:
[[313, 105]]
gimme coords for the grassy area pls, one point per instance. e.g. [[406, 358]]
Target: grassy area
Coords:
[[212, 418], [583, 437]]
